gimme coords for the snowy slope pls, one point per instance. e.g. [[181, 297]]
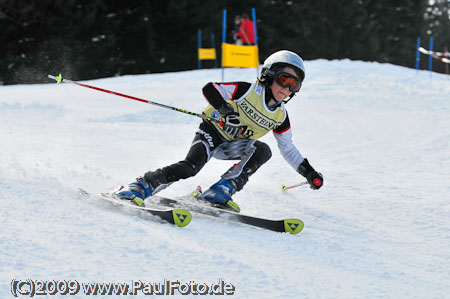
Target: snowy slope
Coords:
[[379, 227]]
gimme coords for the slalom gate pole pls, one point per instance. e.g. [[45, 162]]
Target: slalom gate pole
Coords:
[[224, 38], [430, 57], [418, 55], [446, 65], [285, 188], [60, 79], [199, 34]]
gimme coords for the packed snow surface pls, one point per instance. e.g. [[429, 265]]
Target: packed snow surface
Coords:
[[379, 227]]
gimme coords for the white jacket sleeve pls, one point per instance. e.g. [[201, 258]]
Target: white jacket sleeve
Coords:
[[288, 150]]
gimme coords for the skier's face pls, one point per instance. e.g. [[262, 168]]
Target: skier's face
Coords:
[[279, 92]]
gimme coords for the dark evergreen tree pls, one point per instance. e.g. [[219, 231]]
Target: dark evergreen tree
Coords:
[[437, 25], [99, 38]]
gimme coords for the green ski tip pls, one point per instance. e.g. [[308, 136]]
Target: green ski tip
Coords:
[[293, 226], [181, 218]]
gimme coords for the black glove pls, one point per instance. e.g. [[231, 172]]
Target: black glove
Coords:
[[315, 179], [232, 124]]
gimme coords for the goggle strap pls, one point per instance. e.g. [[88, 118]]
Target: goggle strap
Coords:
[[292, 95], [269, 73]]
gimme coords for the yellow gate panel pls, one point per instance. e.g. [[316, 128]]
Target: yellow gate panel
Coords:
[[206, 54], [239, 56]]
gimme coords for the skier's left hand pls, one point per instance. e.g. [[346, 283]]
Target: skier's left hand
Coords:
[[315, 179]]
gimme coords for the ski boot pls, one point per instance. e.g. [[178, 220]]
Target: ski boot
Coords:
[[135, 191], [219, 195]]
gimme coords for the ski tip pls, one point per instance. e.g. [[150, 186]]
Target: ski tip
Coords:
[[181, 217], [293, 226], [58, 78]]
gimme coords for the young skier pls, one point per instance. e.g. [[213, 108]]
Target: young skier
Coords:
[[247, 112]]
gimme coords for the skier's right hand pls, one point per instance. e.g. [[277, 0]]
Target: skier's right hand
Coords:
[[226, 109], [231, 123]]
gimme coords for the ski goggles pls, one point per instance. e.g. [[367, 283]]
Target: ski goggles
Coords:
[[287, 80]]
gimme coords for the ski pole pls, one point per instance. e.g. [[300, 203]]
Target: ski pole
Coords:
[[60, 79], [285, 188]]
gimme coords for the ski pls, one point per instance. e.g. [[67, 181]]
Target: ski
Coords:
[[292, 226], [179, 217]]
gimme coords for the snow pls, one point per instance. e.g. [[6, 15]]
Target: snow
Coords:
[[379, 228]]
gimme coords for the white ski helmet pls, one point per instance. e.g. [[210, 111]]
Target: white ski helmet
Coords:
[[281, 58]]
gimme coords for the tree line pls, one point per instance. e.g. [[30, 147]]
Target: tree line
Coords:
[[100, 38]]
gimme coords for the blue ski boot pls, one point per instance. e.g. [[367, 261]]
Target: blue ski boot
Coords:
[[135, 191], [220, 194]]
